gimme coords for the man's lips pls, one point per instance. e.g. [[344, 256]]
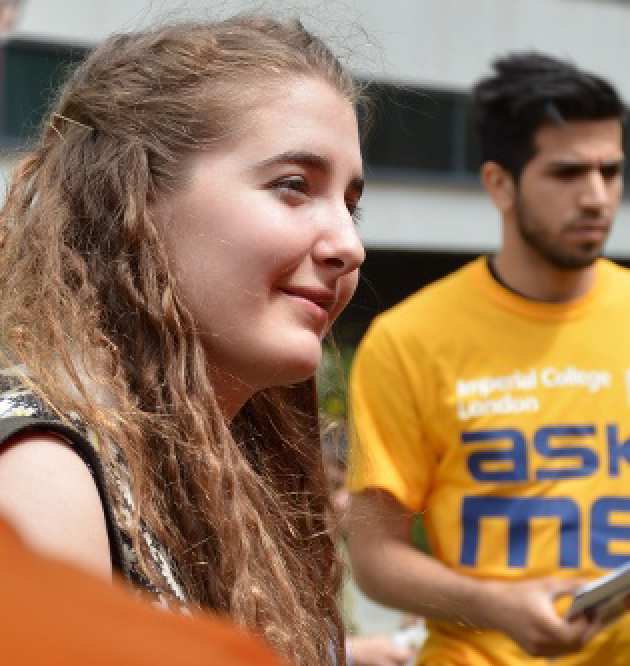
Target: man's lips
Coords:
[[592, 230]]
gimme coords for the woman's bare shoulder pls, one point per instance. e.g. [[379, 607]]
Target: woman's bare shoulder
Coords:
[[47, 491]]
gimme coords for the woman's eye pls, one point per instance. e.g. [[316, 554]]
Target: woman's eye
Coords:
[[291, 185], [355, 211]]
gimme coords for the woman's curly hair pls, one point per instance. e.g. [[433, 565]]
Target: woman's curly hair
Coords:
[[89, 306]]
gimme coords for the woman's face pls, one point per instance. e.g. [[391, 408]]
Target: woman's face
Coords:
[[262, 239]]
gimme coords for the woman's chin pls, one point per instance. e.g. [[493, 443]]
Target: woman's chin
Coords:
[[300, 366], [305, 370]]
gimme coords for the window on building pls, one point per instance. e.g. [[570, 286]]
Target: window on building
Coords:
[[426, 133], [421, 132], [424, 130], [30, 75], [412, 129]]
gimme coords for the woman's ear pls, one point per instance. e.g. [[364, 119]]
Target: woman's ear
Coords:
[[499, 184]]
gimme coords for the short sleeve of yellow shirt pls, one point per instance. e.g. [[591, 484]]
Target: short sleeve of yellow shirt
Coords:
[[388, 450]]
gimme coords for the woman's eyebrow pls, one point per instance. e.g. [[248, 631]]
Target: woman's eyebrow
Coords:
[[301, 158], [309, 160]]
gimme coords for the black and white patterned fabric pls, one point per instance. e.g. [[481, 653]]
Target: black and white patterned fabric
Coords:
[[19, 404]]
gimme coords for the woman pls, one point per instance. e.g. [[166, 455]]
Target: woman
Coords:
[[174, 250]]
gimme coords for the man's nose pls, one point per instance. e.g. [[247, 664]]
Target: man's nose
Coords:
[[595, 194]]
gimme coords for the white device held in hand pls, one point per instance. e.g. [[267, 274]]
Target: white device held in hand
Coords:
[[604, 598]]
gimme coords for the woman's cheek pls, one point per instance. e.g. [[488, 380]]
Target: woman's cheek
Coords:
[[347, 287]]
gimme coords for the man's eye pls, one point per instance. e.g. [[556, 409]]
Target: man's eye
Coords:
[[610, 171], [569, 173]]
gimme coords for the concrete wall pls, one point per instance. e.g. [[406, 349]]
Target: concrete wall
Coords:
[[445, 42], [447, 219]]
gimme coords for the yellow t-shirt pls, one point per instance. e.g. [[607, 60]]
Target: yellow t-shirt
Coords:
[[507, 423]]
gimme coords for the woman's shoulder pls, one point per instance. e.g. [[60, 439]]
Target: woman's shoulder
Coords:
[[52, 495], [49, 494], [52, 474], [23, 412]]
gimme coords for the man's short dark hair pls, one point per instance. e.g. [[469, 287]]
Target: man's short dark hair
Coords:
[[530, 90]]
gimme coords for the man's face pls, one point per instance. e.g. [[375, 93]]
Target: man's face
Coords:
[[8, 15], [569, 192]]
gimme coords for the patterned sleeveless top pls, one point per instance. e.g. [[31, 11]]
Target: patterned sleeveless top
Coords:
[[21, 411]]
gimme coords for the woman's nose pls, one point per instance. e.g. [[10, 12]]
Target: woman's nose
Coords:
[[339, 248]]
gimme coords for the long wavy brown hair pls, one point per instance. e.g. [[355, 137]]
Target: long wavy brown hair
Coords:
[[88, 305]]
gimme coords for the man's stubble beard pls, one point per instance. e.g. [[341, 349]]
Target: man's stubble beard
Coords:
[[550, 249]]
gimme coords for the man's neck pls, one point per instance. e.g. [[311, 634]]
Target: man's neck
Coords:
[[534, 278]]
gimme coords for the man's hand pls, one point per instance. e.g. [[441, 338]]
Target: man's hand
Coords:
[[376, 651], [525, 611], [395, 573]]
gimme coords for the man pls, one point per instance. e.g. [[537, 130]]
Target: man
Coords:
[[9, 10], [497, 401]]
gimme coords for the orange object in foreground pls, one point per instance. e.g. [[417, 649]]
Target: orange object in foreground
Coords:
[[52, 614]]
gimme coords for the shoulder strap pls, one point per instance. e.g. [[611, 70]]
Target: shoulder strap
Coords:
[[22, 425]]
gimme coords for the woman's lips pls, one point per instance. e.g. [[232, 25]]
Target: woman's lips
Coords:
[[318, 302]]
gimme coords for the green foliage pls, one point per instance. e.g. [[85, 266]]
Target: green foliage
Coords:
[[332, 384], [332, 381], [419, 535]]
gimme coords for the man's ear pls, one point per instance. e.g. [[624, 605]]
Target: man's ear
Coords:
[[499, 184]]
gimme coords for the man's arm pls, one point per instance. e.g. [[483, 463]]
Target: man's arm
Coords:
[[392, 571]]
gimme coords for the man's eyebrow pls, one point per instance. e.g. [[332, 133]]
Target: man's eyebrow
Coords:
[[311, 160], [582, 164], [578, 166]]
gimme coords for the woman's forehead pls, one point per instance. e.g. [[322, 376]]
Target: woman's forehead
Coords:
[[303, 114]]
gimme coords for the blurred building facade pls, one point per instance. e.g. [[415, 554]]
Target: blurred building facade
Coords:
[[424, 212]]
